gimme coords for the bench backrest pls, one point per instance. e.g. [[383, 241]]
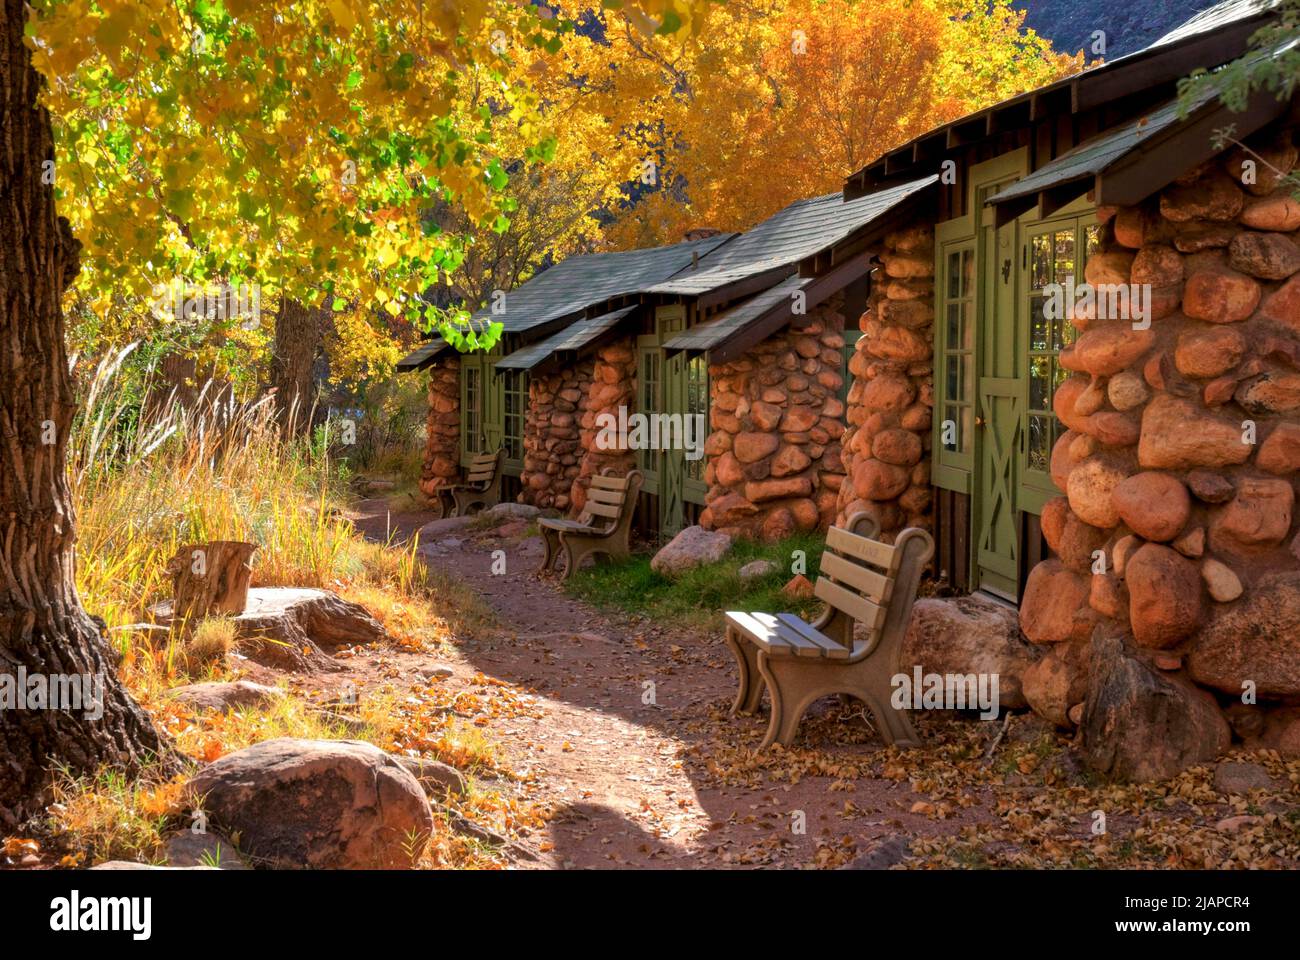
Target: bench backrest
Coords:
[[483, 468], [872, 582], [611, 499]]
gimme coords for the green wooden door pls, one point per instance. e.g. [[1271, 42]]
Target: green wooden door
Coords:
[[998, 406], [649, 393]]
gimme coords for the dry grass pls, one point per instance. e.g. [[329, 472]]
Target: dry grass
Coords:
[[146, 484]]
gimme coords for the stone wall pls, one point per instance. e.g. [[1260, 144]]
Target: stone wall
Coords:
[[1177, 533], [774, 457], [553, 451], [442, 435], [612, 385], [887, 443]]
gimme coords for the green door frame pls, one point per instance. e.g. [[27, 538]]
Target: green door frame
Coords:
[[664, 385], [482, 415]]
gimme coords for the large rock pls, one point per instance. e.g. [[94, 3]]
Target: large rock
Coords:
[[693, 547], [1154, 505], [1280, 452], [1091, 490], [1108, 349], [319, 804], [226, 696], [1220, 295], [1055, 603], [1271, 256], [1164, 590], [1139, 725], [1209, 351], [285, 626], [1058, 681], [1257, 519], [1255, 639], [969, 635], [1178, 434]]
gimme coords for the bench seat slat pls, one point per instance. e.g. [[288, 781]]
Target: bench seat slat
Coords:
[[833, 650], [763, 634]]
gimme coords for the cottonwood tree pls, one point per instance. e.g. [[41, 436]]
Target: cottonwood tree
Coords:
[[783, 98], [292, 145]]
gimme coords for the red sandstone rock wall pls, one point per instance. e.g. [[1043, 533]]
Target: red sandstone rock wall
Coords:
[[553, 450], [1180, 460], [612, 385], [442, 435], [887, 443], [774, 462]]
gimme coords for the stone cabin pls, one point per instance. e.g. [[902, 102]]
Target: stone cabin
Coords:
[[1123, 469], [746, 331]]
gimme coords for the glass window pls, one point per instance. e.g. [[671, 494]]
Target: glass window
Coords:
[[648, 400], [472, 409], [1054, 267], [697, 402], [516, 402], [958, 350]]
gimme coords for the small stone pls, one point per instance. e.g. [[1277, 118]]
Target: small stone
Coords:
[[1075, 714], [1167, 661], [1126, 390], [691, 548], [1192, 543], [757, 569], [1237, 777], [1210, 487], [1223, 584], [799, 587]]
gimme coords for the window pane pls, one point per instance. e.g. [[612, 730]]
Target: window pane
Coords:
[[1040, 274], [950, 429], [1064, 270], [953, 376], [1038, 324], [1092, 239], [1040, 428], [954, 326], [954, 274], [1040, 391]]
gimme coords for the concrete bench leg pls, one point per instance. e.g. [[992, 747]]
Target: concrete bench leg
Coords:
[[551, 543], [794, 684], [750, 691]]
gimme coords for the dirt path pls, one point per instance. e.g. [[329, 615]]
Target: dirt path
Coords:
[[631, 747]]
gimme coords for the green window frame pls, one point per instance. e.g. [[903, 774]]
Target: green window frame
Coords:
[[471, 405], [1055, 251], [956, 375], [649, 394], [697, 403], [515, 406]]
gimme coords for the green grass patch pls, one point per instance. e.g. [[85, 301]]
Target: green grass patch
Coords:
[[700, 596]]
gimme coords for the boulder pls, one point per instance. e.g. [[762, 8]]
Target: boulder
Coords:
[[318, 804], [209, 849], [1179, 434], [1220, 295], [1058, 681], [1270, 256], [1257, 519], [1280, 452], [226, 696], [438, 779], [1091, 490], [1140, 725], [1053, 600], [1154, 505], [437, 529], [1164, 596], [512, 511], [970, 634], [1256, 639], [691, 548], [1209, 351], [1280, 212]]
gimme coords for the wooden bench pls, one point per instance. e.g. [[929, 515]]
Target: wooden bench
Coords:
[[481, 486], [604, 526], [861, 580]]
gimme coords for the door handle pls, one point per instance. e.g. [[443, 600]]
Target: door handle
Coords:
[[979, 421]]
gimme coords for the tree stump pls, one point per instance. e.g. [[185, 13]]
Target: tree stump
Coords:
[[210, 578]]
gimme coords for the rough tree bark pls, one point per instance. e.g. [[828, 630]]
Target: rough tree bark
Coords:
[[43, 628], [210, 578], [299, 333]]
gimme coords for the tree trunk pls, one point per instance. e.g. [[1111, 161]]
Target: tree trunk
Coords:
[[299, 333], [44, 632]]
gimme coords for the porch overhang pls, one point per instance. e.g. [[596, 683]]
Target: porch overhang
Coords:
[[567, 345], [424, 356]]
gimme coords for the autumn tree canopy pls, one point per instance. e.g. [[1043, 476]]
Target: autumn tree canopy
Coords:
[[779, 99]]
